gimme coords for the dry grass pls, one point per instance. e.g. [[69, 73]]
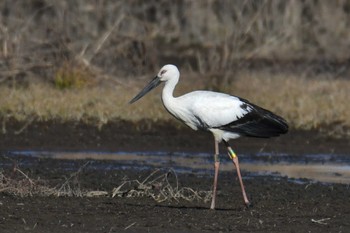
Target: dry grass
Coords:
[[97, 104], [164, 187], [128, 38], [18, 183], [160, 187], [306, 103], [96, 48]]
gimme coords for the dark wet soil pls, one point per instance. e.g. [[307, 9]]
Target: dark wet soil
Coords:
[[278, 204], [150, 136]]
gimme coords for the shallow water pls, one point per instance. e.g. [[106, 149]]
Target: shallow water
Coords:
[[327, 168]]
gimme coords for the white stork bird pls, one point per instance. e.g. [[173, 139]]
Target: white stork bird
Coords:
[[227, 117]]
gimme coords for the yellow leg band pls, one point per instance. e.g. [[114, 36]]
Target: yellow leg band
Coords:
[[232, 153]]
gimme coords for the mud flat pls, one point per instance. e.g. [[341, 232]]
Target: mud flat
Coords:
[[280, 204]]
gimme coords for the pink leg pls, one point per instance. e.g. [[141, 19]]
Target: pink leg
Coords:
[[235, 161], [216, 167]]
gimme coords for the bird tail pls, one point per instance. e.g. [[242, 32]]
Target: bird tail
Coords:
[[260, 123], [271, 125]]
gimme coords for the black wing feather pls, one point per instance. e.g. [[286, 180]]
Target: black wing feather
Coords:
[[258, 122]]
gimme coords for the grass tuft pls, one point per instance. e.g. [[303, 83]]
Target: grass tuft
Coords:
[[163, 187], [23, 185], [72, 76], [113, 43], [18, 183], [160, 187], [307, 103]]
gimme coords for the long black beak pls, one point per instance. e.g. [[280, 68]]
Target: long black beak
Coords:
[[151, 85]]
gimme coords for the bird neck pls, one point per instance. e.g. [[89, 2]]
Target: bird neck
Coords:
[[168, 90]]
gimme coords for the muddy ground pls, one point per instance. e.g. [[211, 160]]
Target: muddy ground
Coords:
[[278, 204]]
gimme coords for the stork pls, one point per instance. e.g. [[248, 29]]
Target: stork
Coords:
[[225, 116]]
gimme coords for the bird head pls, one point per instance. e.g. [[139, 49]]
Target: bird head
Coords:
[[166, 73]]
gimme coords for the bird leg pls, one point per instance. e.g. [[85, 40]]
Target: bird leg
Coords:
[[216, 168], [235, 161]]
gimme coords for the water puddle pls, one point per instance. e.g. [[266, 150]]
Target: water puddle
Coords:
[[316, 167]]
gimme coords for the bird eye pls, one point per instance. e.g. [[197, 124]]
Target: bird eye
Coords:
[[162, 72]]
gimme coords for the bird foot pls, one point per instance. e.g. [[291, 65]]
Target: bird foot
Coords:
[[248, 205]]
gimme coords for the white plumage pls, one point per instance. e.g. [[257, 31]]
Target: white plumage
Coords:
[[227, 117], [209, 109]]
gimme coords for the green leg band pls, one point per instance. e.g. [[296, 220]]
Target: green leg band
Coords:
[[232, 153]]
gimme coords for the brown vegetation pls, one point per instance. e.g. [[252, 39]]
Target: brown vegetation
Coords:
[[158, 185], [305, 103], [289, 56], [18, 183], [160, 188]]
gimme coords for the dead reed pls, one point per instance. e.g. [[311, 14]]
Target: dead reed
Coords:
[[163, 187], [89, 64], [158, 186], [128, 38], [306, 103], [22, 185], [18, 183]]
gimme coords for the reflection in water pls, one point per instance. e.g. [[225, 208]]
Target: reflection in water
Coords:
[[323, 168]]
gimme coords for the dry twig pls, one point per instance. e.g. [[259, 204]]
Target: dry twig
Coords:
[[160, 189]]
